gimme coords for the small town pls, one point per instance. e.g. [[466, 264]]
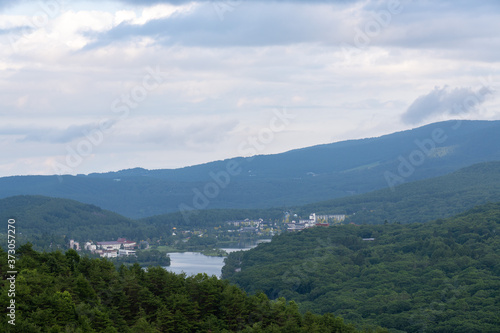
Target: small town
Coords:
[[315, 221], [108, 249], [230, 233]]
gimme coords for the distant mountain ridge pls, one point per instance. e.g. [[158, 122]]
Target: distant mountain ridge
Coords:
[[292, 178], [419, 201], [45, 218]]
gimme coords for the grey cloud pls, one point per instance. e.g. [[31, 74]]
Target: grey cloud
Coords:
[[17, 31], [10, 3], [54, 135], [442, 24], [5, 31], [229, 2], [6, 3], [255, 25], [458, 101]]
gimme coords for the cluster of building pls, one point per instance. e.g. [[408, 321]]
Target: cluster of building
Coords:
[[315, 221], [252, 226], [108, 249]]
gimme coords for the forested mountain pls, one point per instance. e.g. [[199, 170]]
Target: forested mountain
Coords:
[[419, 201], [56, 292], [288, 179], [44, 218], [441, 276]]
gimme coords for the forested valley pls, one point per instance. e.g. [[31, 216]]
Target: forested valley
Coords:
[[440, 276], [387, 266], [63, 292]]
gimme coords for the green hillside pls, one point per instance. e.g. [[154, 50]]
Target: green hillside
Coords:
[[292, 178], [56, 292], [40, 215], [441, 276], [42, 218], [419, 201]]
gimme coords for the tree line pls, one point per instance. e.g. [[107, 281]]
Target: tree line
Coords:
[[64, 292]]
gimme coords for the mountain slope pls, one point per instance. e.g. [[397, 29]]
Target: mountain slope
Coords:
[[36, 216], [292, 178], [419, 201]]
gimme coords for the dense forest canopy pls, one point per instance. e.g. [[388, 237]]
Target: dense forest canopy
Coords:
[[441, 276], [63, 292]]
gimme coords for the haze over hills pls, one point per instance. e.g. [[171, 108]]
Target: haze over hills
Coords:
[[282, 180], [419, 201]]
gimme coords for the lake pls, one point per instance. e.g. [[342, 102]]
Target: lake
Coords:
[[193, 263]]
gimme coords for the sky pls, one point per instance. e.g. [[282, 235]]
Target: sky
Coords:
[[97, 86]]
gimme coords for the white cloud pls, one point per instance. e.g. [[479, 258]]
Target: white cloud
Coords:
[[13, 21], [224, 76]]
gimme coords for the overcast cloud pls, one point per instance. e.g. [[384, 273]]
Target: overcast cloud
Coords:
[[446, 102], [164, 84]]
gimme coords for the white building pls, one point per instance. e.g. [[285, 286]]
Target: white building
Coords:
[[111, 245], [334, 218], [74, 245], [109, 254], [126, 253], [89, 247], [116, 245]]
